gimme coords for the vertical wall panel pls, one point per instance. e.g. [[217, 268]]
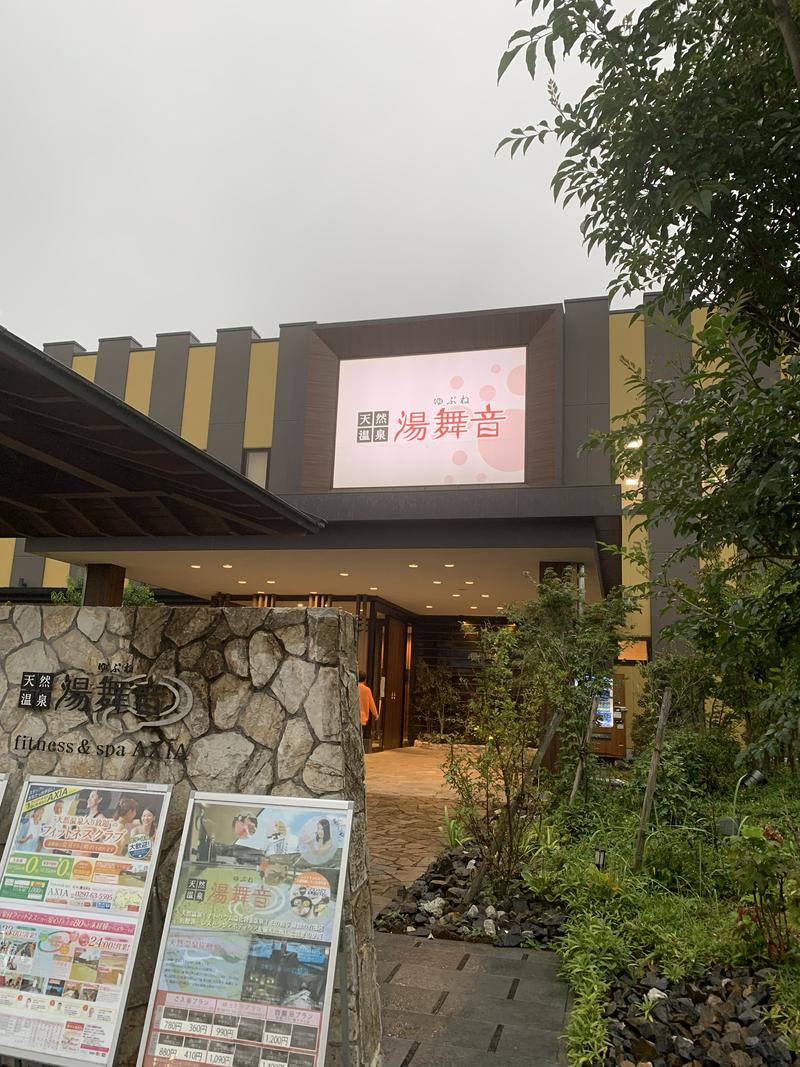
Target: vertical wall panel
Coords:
[[229, 396], [286, 461], [85, 365], [626, 341], [113, 354], [26, 570], [6, 559], [664, 354], [169, 378], [586, 386], [63, 351], [261, 394], [197, 398], [140, 379], [55, 573], [542, 408]]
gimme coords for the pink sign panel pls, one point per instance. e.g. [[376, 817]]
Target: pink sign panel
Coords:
[[452, 418]]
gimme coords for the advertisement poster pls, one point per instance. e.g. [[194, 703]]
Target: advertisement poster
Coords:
[[245, 972], [74, 885], [444, 418]]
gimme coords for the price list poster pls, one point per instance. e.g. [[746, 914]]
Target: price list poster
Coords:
[[75, 881], [246, 967]]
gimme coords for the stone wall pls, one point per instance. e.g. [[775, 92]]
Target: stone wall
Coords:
[[274, 710]]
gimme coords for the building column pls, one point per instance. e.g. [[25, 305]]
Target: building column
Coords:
[[63, 351], [113, 354], [103, 585]]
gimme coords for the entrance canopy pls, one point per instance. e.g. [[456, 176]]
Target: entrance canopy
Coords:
[[76, 462]]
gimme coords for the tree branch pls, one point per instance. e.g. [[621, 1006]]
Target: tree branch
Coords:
[[790, 34]]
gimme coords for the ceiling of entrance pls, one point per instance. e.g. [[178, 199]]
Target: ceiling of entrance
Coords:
[[425, 581]]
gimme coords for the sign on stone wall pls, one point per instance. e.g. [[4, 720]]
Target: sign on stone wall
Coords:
[[246, 966], [75, 882], [274, 710]]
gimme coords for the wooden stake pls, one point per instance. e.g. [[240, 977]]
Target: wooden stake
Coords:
[[584, 753], [650, 788]]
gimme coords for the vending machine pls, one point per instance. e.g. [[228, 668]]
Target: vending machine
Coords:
[[609, 734]]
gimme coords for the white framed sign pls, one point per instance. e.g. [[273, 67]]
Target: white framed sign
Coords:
[[75, 882], [245, 972]]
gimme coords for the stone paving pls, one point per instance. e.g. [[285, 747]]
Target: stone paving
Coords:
[[406, 797], [451, 1004], [448, 1003]]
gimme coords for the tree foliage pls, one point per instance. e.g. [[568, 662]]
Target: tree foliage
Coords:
[[683, 153]]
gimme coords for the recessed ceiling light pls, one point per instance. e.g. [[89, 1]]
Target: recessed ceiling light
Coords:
[[499, 607], [344, 574], [300, 604], [485, 596], [260, 592], [473, 607], [456, 594], [373, 589], [437, 581], [449, 564], [313, 592], [227, 566], [469, 582], [270, 581], [413, 566], [242, 581], [195, 566], [429, 605]]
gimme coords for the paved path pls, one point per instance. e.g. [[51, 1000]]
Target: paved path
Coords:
[[450, 1004], [406, 796]]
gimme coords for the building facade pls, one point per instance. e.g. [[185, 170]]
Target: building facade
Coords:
[[442, 453]]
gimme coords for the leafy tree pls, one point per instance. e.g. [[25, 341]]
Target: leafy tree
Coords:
[[546, 666], [683, 153], [436, 697]]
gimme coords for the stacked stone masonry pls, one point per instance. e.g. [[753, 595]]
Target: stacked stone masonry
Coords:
[[275, 711]]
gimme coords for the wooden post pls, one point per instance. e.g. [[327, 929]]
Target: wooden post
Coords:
[[103, 585], [650, 788], [584, 753]]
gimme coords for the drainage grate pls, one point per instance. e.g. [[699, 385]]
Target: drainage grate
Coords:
[[437, 1007], [409, 1056], [513, 990], [462, 963]]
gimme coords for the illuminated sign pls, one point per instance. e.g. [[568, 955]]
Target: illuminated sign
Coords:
[[453, 418]]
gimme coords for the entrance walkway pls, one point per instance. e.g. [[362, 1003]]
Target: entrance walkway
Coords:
[[406, 797], [450, 1004]]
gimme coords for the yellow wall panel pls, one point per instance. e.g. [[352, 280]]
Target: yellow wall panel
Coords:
[[85, 365], [261, 394], [197, 397], [626, 341], [55, 573], [6, 559], [140, 379]]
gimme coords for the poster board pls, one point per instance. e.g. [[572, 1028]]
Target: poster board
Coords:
[[75, 882], [246, 967]]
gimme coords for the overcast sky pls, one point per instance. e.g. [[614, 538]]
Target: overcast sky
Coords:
[[193, 164]]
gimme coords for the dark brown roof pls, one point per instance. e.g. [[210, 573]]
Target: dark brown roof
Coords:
[[77, 462]]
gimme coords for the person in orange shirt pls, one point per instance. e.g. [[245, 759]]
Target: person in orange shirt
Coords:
[[366, 702]]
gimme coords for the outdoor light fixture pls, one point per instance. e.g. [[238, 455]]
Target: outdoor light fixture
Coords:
[[600, 858], [227, 566]]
